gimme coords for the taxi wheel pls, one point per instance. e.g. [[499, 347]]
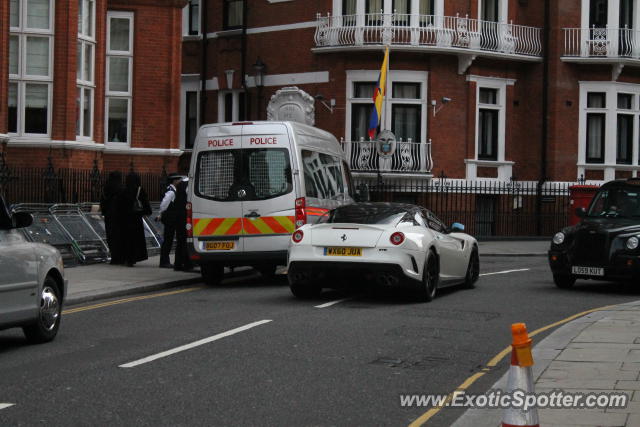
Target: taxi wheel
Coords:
[[212, 274], [430, 276], [564, 281], [46, 327], [473, 270]]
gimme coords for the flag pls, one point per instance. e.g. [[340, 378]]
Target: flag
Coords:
[[378, 96]]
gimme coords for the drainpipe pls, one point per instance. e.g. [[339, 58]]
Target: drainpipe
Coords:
[[203, 60], [243, 60], [546, 32]]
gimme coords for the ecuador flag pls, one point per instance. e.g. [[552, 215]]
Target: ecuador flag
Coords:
[[378, 96]]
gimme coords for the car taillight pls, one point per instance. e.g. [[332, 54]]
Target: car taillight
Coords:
[[189, 220], [297, 236], [301, 213], [397, 238]]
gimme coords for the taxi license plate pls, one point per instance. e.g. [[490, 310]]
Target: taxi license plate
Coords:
[[219, 246], [588, 271], [331, 251]]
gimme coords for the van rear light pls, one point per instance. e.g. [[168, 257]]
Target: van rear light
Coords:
[[189, 220], [297, 236], [301, 212], [397, 238]]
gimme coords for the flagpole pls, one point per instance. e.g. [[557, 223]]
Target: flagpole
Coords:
[[386, 97]]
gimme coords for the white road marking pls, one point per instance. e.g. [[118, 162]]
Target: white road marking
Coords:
[[329, 304], [505, 272], [193, 344], [6, 405]]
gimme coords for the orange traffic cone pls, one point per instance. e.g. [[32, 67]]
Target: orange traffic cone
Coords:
[[520, 378]]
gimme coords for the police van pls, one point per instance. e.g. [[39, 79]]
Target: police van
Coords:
[[252, 185]]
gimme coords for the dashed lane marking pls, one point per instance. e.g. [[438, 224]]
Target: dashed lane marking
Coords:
[[193, 344], [330, 303], [6, 405], [505, 272]]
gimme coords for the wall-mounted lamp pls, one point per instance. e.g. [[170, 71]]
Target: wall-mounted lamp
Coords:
[[436, 107], [330, 106], [260, 69]]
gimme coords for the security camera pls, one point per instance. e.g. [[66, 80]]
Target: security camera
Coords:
[[319, 97], [445, 99], [434, 102]]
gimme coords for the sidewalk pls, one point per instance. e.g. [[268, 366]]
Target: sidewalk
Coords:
[[98, 281], [514, 247], [599, 352]]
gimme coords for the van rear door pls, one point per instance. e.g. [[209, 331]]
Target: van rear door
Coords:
[[268, 212], [217, 196]]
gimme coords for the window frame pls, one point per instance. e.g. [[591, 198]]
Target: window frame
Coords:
[[128, 95], [500, 85], [83, 83], [236, 113], [371, 76], [225, 16], [22, 79]]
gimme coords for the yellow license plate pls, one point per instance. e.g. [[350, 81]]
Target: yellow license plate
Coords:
[[219, 246], [331, 251]]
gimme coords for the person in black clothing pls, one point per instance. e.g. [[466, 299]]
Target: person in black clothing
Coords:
[[133, 205], [109, 208], [182, 262], [169, 215]]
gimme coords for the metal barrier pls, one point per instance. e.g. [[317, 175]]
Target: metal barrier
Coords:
[[78, 231], [46, 229], [92, 247]]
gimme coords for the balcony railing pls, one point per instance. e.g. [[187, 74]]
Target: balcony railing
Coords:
[[443, 32], [409, 157], [602, 43]]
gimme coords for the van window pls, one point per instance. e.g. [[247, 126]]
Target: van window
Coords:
[[323, 177], [263, 173]]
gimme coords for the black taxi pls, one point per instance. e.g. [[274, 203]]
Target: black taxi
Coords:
[[605, 244]]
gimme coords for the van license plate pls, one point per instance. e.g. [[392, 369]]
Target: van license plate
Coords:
[[588, 271], [336, 251], [219, 246]]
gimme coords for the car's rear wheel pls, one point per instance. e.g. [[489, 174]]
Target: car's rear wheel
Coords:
[[301, 284], [212, 273], [564, 281], [473, 270], [430, 278], [49, 314]]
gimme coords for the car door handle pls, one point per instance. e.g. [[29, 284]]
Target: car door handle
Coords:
[[253, 214]]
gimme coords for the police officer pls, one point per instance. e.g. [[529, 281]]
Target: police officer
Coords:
[[169, 215]]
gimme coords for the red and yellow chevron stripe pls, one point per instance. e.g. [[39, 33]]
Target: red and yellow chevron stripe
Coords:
[[243, 226]]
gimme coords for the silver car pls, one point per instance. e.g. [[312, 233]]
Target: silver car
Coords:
[[32, 284]]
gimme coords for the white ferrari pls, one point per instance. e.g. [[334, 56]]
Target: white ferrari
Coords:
[[384, 243]]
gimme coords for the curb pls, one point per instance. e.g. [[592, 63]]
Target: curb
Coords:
[[137, 289], [544, 353]]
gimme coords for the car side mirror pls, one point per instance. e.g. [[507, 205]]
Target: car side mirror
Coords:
[[22, 219], [581, 212], [456, 227]]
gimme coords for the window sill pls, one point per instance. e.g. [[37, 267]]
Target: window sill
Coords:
[[229, 33], [489, 162], [191, 37], [601, 166]]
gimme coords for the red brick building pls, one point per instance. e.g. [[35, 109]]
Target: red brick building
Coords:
[[475, 77], [85, 80]]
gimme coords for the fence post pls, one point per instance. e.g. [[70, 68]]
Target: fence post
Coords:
[[50, 182], [94, 178]]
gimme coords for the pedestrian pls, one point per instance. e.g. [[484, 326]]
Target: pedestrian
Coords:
[[181, 262], [112, 224], [169, 216], [133, 206]]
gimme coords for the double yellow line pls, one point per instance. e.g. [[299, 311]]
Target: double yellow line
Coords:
[[492, 364], [132, 299]]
